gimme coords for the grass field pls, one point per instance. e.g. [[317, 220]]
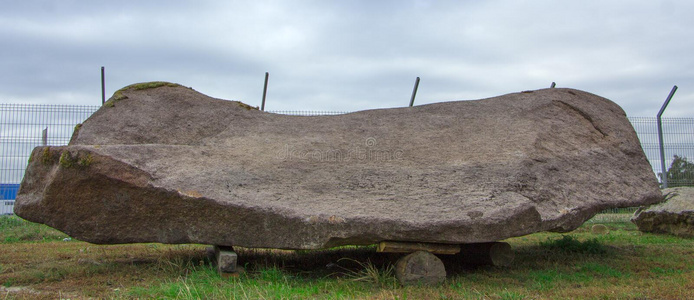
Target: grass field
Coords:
[[37, 262]]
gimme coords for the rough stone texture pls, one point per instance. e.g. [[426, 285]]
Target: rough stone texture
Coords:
[[420, 267], [675, 216], [171, 165]]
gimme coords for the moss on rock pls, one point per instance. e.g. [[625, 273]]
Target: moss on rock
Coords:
[[46, 156], [80, 161], [246, 106], [77, 128], [66, 160], [118, 95]]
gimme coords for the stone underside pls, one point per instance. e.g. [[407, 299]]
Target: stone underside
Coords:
[[168, 164]]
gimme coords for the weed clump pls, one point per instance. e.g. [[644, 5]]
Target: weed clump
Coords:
[[570, 244], [369, 272], [81, 161]]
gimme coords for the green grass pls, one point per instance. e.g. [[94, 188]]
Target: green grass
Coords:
[[571, 244], [623, 264], [269, 283], [16, 230]]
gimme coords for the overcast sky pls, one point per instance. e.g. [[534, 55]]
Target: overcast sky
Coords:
[[350, 55]]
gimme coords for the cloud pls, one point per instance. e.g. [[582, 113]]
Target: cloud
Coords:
[[349, 55]]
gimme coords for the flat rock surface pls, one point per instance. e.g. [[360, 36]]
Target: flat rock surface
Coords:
[[171, 165], [675, 216]]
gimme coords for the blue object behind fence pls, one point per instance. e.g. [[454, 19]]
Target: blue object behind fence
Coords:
[[8, 191]]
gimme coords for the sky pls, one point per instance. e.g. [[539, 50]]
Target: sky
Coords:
[[350, 55]]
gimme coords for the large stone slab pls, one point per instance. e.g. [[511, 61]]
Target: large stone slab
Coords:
[[164, 163], [675, 216]]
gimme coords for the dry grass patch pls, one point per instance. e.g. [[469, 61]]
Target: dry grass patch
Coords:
[[57, 267], [626, 265]]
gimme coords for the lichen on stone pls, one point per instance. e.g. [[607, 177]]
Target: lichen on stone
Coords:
[[66, 160], [46, 156], [85, 161], [80, 161], [246, 106], [77, 128], [118, 95], [150, 85]]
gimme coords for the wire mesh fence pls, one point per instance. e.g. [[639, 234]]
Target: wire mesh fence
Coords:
[[23, 126], [678, 142], [22, 129], [306, 112], [679, 150]]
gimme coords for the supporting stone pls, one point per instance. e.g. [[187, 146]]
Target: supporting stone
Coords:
[[405, 247], [675, 216], [420, 267], [497, 254], [211, 255], [226, 259], [599, 229]]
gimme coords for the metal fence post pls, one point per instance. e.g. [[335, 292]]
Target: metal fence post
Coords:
[[660, 137], [414, 91], [103, 87], [262, 105], [44, 137]]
